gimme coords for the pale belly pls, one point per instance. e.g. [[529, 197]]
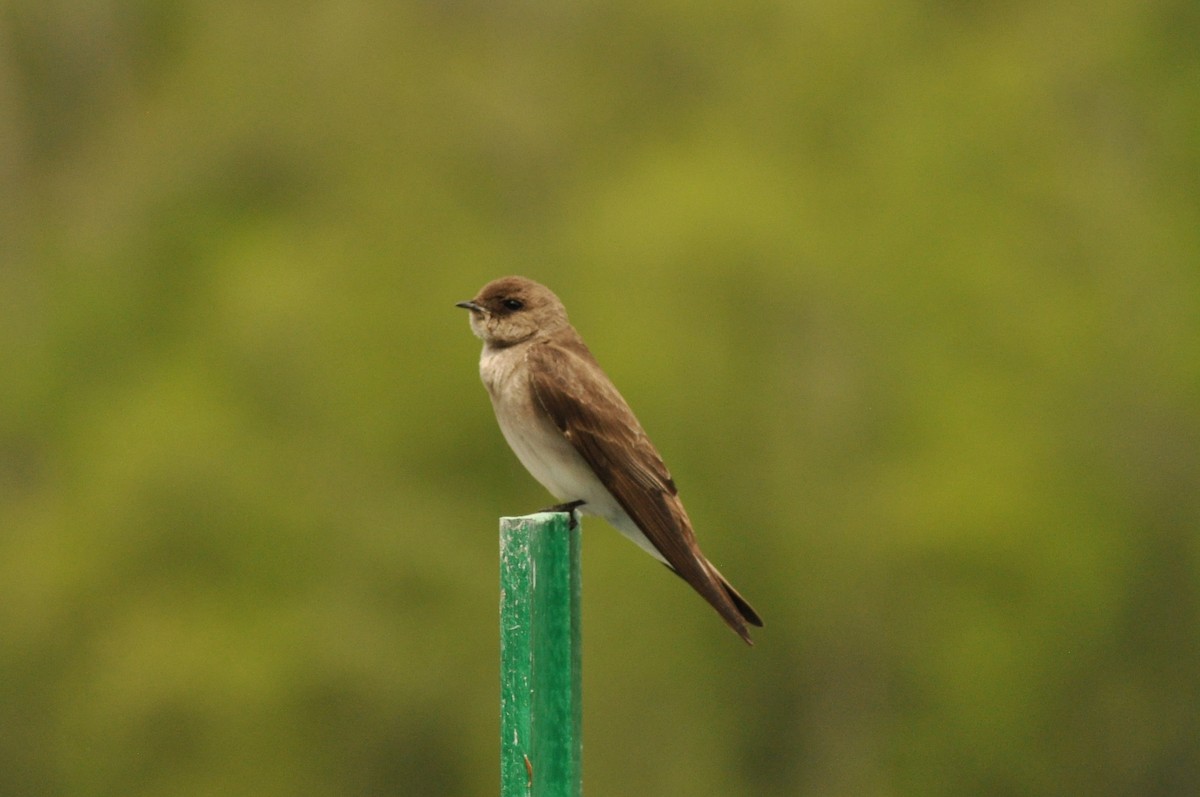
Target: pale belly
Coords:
[[550, 458]]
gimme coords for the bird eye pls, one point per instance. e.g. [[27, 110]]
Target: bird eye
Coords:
[[513, 304]]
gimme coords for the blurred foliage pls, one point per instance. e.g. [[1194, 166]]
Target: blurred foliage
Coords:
[[907, 293]]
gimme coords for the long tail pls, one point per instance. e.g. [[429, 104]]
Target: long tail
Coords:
[[745, 612]]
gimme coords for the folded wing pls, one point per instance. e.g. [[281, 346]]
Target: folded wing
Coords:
[[592, 415]]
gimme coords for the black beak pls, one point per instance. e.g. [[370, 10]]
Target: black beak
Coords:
[[474, 308]]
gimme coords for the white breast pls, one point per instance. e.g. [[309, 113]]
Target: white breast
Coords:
[[543, 450]]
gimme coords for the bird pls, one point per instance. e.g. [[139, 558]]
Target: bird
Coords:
[[575, 434]]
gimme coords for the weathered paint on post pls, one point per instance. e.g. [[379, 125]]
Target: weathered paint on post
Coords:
[[540, 716]]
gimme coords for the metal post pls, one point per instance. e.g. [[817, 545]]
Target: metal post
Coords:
[[540, 713]]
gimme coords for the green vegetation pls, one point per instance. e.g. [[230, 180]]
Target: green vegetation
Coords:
[[907, 294]]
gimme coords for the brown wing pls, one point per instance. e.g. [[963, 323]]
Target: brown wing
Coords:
[[585, 405]]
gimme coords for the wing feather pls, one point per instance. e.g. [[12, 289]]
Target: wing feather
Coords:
[[585, 405]]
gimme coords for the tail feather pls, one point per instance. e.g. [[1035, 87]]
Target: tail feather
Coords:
[[743, 606], [745, 613]]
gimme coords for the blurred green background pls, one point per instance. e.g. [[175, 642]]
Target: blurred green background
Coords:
[[908, 295]]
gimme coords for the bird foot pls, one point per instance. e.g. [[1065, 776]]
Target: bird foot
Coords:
[[569, 507]]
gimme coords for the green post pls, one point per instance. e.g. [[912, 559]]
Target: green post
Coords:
[[539, 657]]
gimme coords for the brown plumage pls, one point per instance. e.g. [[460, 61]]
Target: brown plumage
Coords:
[[574, 432]]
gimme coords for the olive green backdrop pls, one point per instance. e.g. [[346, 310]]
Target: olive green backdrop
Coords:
[[907, 293]]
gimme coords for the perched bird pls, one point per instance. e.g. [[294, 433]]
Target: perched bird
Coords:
[[566, 422]]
